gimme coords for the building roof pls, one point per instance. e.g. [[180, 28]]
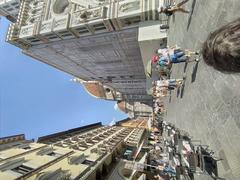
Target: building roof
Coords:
[[45, 139], [95, 89], [134, 123], [9, 139]]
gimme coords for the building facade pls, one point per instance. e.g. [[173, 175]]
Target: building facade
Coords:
[[10, 9], [12, 141], [136, 110], [134, 123], [91, 40], [82, 153], [103, 91]]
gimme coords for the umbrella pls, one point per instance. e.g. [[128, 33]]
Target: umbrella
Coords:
[[149, 69]]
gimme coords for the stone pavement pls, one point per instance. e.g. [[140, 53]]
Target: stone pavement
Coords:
[[208, 106]]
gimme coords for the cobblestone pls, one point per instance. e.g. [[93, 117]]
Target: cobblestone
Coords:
[[209, 107]]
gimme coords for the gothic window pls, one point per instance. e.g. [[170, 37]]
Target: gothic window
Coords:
[[16, 145], [131, 21], [76, 159], [52, 175], [6, 6], [82, 30], [22, 169], [88, 162], [98, 27], [45, 151], [14, 3], [26, 148], [54, 154], [108, 90], [111, 77]]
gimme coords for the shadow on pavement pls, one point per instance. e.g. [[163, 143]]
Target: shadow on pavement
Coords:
[[170, 97], [194, 73], [185, 67], [182, 90], [183, 86], [178, 92], [191, 13]]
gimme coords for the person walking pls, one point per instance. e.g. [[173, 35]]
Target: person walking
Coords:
[[162, 92], [177, 57], [170, 83], [171, 9]]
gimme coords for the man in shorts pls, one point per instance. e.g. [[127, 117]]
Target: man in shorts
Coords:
[[177, 57]]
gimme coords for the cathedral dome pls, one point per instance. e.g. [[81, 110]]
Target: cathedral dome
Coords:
[[95, 89]]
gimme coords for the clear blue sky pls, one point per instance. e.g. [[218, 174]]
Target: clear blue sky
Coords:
[[36, 99]]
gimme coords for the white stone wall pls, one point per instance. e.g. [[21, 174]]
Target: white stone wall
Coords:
[[113, 59], [93, 43], [9, 9]]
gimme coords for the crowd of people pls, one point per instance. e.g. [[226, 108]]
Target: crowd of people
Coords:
[[174, 155], [175, 7], [162, 61], [172, 149], [221, 50]]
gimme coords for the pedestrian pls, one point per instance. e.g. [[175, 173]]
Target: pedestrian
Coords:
[[222, 48], [169, 50], [174, 83], [171, 9], [163, 92], [164, 71], [177, 57]]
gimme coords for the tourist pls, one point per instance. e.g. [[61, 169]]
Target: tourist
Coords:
[[171, 9], [167, 56], [175, 83], [163, 92], [178, 57], [161, 177], [164, 71], [158, 110], [161, 86], [169, 50], [222, 48], [168, 169], [165, 52]]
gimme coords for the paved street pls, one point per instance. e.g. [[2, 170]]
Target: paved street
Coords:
[[208, 106]]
